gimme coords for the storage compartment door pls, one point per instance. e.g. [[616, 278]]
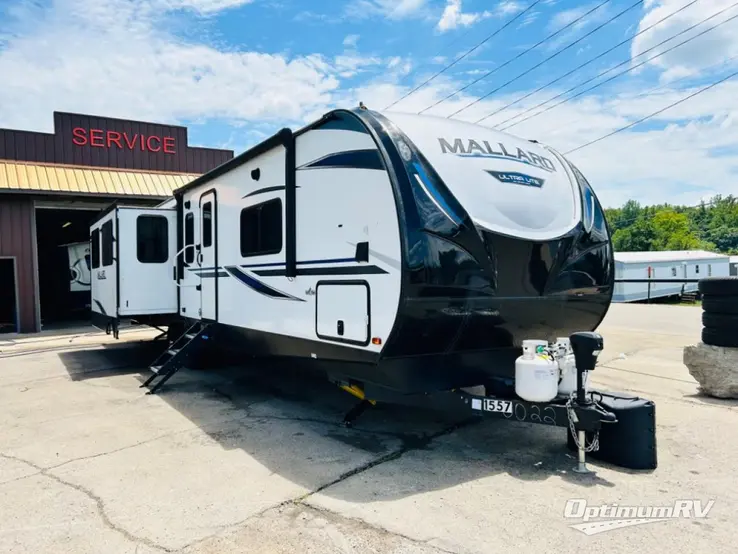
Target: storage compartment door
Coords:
[[342, 311]]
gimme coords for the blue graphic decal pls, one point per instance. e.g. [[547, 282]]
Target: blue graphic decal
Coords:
[[516, 178], [258, 286]]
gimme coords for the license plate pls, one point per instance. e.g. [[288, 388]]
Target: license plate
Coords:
[[494, 405]]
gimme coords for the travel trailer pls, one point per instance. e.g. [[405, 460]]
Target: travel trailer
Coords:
[[412, 252], [403, 255]]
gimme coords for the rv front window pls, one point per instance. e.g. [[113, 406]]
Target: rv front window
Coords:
[[189, 230], [107, 243], [152, 239], [95, 248]]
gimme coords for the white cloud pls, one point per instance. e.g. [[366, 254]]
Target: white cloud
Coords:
[[712, 47], [351, 41], [114, 58], [453, 17], [203, 6], [391, 9]]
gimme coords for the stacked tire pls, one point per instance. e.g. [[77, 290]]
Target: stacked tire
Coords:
[[719, 311]]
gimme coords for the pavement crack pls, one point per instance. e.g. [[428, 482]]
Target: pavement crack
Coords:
[[99, 503], [408, 446]]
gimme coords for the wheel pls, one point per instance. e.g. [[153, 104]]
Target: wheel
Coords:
[[720, 304], [720, 337], [719, 286], [726, 322]]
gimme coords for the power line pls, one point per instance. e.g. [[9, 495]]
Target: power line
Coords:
[[703, 89], [449, 66], [564, 76], [650, 91], [462, 89], [561, 51], [565, 100], [449, 45]]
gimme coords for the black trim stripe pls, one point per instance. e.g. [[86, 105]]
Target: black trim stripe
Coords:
[[258, 286], [99, 305], [349, 270], [353, 159], [265, 190]]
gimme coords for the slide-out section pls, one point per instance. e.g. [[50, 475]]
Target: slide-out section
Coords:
[[132, 262]]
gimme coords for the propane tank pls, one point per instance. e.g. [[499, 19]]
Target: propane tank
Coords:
[[536, 374], [567, 367]]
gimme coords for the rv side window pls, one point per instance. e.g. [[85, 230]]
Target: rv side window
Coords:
[[207, 224], [189, 256], [261, 229], [107, 243], [95, 248], [152, 239]]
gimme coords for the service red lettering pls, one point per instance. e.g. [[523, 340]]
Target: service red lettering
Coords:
[[169, 145], [114, 138], [106, 139], [148, 143], [79, 136], [130, 143], [96, 134]]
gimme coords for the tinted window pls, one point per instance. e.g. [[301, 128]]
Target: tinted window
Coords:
[[152, 239], [261, 229], [189, 230], [107, 243], [95, 248], [207, 224]]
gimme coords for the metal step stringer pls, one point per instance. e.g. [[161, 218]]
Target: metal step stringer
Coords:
[[175, 356]]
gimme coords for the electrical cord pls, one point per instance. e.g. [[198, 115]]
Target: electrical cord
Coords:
[[662, 110], [552, 56], [457, 60], [549, 37], [565, 75], [624, 62]]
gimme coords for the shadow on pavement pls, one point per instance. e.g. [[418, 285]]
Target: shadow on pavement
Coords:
[[289, 420]]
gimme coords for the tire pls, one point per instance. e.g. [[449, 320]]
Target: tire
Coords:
[[719, 286], [720, 337], [720, 304], [726, 322]]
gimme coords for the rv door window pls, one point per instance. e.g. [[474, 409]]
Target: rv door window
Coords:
[[152, 239], [107, 243], [95, 248], [189, 255], [261, 229], [207, 224]]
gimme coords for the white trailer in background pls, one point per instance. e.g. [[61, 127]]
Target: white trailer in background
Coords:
[[670, 264]]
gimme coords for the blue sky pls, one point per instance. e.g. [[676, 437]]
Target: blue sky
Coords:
[[235, 71]]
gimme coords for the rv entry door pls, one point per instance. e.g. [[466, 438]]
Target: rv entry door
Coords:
[[208, 256]]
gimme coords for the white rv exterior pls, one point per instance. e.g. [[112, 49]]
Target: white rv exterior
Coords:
[[673, 264], [399, 245]]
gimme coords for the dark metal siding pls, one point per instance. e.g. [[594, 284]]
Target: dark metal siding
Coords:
[[59, 148], [16, 239]]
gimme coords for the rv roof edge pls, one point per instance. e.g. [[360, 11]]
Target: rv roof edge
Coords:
[[280, 138]]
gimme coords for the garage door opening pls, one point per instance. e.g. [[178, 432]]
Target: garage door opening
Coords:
[[63, 238], [8, 296]]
